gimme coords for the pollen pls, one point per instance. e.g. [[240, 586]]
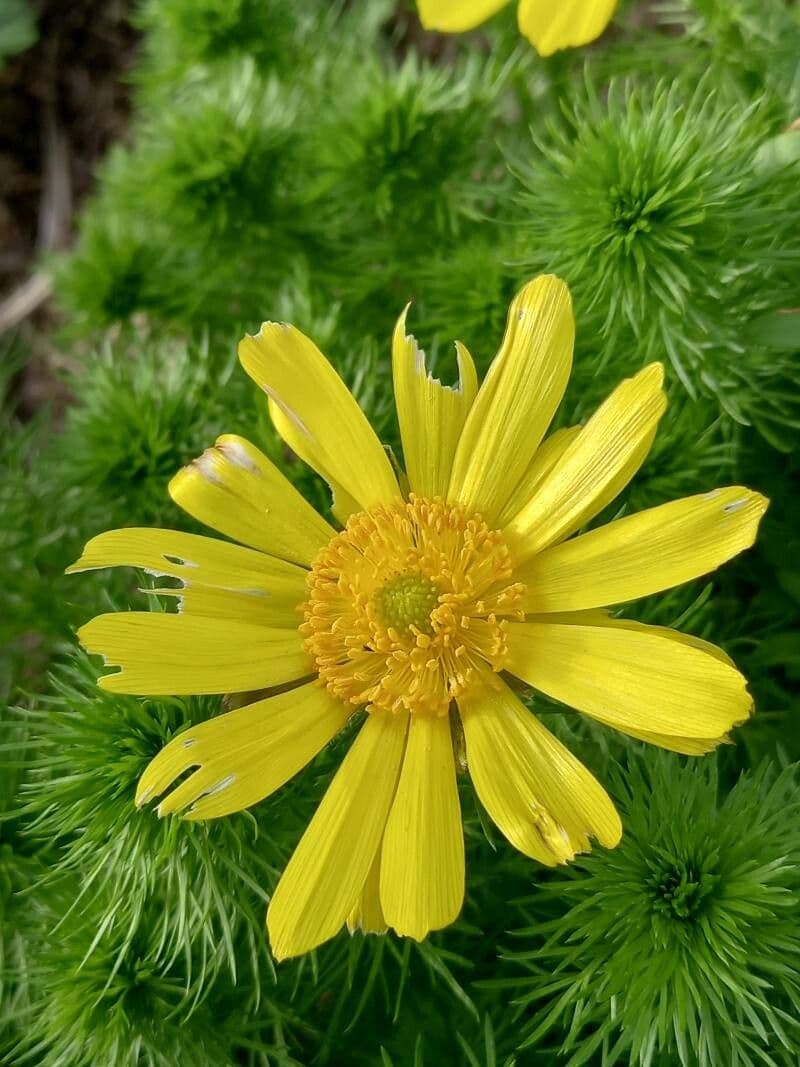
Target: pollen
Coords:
[[408, 604]]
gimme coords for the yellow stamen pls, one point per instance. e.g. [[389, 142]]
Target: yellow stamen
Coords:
[[407, 603]]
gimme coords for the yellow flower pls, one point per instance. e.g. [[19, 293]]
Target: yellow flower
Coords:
[[548, 24], [415, 610]]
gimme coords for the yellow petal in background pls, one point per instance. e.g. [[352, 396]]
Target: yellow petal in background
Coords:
[[643, 553], [606, 453], [367, 916], [236, 490], [517, 399], [539, 795], [337, 440], [218, 578], [422, 871], [642, 627], [243, 756], [636, 678], [686, 746], [247, 606], [594, 503], [431, 415], [545, 458], [554, 24], [322, 883], [163, 654], [456, 16]]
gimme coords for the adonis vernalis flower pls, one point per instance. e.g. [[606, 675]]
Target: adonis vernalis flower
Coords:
[[443, 580], [549, 25]]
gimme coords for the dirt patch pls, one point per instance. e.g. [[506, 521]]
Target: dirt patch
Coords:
[[63, 101]]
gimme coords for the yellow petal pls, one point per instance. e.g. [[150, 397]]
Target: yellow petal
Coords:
[[540, 796], [554, 24], [251, 607], [218, 579], [343, 505], [545, 458], [367, 916], [456, 16], [687, 746], [643, 627], [631, 677], [644, 553], [600, 461], [164, 654], [332, 432], [517, 399], [243, 756], [593, 505], [603, 617], [324, 878], [431, 415], [235, 489], [422, 871]]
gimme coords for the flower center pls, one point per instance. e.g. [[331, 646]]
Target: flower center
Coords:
[[407, 603]]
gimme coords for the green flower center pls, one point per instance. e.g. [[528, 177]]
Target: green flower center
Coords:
[[407, 601], [682, 891]]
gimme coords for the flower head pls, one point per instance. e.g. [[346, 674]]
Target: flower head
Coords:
[[406, 606], [549, 25], [441, 581]]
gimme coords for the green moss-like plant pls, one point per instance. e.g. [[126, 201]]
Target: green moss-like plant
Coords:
[[682, 945], [325, 165]]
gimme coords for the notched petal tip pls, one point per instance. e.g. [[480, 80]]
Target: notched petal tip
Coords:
[[403, 342], [91, 558], [142, 796], [85, 633], [255, 341], [400, 325], [115, 681]]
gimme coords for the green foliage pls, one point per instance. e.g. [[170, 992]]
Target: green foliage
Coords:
[[77, 801], [650, 204], [32, 618], [681, 946], [116, 1005], [140, 416], [749, 45], [406, 147], [218, 162], [17, 28], [114, 270], [184, 34]]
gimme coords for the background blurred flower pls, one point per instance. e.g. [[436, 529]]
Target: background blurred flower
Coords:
[[548, 24]]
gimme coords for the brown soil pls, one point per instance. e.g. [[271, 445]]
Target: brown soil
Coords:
[[62, 103]]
